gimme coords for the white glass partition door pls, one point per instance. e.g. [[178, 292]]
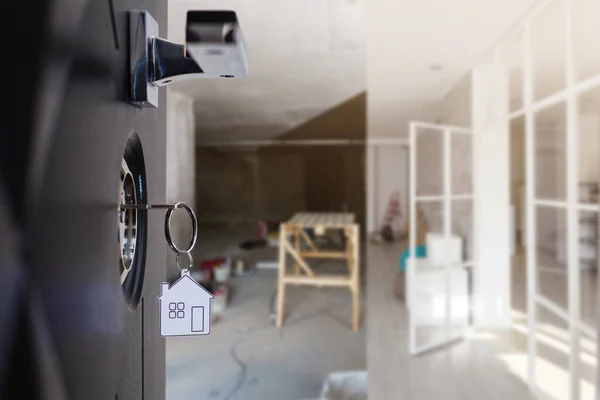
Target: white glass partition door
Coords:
[[441, 206], [550, 89]]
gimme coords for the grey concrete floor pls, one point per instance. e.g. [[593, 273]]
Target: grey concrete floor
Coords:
[[245, 357]]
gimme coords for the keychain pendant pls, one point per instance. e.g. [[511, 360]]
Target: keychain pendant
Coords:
[[185, 307]]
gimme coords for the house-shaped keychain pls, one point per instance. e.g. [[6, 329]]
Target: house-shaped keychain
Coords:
[[185, 307]]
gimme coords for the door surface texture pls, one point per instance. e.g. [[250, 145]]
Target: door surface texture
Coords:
[[74, 332]]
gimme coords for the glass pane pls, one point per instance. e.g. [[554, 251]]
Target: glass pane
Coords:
[[462, 228], [551, 250], [550, 154], [430, 162], [589, 146], [461, 146], [588, 367], [440, 314], [432, 216], [514, 61], [588, 256], [588, 281], [548, 50], [517, 178], [586, 36], [552, 362]]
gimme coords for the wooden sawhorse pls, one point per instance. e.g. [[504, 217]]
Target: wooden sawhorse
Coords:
[[303, 274]]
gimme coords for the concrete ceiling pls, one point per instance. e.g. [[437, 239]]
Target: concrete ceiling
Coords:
[[453, 34], [307, 56]]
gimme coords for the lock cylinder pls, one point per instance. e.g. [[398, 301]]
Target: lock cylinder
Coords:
[[132, 222]]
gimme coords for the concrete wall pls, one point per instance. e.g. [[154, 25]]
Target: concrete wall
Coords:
[[238, 185], [347, 120], [245, 184], [181, 171]]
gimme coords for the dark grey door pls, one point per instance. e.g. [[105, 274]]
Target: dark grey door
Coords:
[[67, 327]]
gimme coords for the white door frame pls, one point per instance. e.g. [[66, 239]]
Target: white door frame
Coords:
[[447, 197], [568, 96]]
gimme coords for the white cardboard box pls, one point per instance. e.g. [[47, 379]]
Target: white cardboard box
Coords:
[[346, 385], [427, 300], [442, 250]]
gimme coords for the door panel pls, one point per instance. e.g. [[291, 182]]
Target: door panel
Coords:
[[438, 280], [198, 319], [104, 349]]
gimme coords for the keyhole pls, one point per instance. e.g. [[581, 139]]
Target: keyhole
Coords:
[[132, 223]]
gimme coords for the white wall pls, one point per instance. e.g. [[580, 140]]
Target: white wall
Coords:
[[181, 183], [455, 107], [491, 170], [389, 173]]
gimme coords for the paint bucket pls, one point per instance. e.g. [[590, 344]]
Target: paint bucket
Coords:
[[239, 267], [222, 272]]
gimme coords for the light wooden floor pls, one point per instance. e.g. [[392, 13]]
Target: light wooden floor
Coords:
[[488, 365]]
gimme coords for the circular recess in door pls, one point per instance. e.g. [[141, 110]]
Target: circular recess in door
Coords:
[[132, 233]]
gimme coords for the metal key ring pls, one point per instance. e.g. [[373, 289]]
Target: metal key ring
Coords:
[[190, 259], [172, 244]]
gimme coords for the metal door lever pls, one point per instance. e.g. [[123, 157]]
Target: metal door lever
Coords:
[[214, 48]]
